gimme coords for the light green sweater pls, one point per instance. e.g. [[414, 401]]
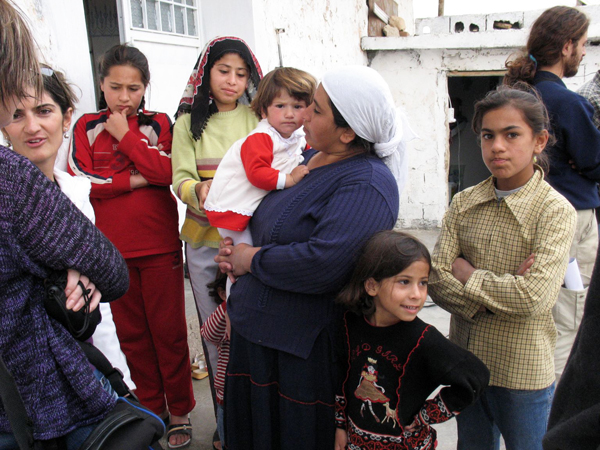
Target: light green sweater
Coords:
[[195, 161]]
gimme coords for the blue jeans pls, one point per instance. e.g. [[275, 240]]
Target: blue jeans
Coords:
[[221, 424], [521, 416], [74, 439], [105, 384]]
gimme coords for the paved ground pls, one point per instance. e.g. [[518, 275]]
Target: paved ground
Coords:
[[203, 417]]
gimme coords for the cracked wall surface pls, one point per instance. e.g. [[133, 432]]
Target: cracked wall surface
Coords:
[[318, 35]]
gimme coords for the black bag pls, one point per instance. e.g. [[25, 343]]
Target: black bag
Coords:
[[129, 426], [81, 324]]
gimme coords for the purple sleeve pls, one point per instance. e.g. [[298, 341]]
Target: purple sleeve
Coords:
[[51, 233]]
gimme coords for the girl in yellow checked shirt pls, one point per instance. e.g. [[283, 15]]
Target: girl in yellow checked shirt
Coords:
[[211, 117], [498, 266]]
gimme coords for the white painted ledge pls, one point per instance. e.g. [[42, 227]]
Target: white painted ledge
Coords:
[[464, 40]]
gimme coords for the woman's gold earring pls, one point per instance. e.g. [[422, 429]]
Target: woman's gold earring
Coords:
[[8, 143], [535, 159]]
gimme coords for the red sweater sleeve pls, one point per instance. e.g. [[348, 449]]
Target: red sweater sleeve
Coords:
[[107, 181], [152, 161], [257, 157]]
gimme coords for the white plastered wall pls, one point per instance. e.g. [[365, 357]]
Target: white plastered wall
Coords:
[[319, 34], [418, 79], [420, 88], [60, 31], [228, 18]]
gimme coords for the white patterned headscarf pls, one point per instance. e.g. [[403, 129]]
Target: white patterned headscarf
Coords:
[[365, 101]]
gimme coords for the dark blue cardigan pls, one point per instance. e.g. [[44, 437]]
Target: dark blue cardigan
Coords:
[[575, 416], [577, 139], [41, 229], [309, 235]]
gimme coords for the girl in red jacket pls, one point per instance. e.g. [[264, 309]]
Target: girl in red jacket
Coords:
[[125, 151]]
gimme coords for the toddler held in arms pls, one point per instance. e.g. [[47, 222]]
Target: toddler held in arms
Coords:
[[267, 159]]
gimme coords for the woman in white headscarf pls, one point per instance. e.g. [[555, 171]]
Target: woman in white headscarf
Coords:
[[279, 392]]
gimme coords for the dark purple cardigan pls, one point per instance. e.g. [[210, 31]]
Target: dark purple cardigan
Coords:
[[41, 229]]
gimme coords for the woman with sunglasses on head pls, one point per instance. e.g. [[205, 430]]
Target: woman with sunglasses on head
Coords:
[[39, 127]]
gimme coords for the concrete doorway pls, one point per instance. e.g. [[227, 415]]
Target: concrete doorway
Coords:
[[466, 165], [102, 21]]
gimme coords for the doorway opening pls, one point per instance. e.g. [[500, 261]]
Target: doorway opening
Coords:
[[466, 165], [102, 21]]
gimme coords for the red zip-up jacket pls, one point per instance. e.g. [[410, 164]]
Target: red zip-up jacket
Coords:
[[142, 221]]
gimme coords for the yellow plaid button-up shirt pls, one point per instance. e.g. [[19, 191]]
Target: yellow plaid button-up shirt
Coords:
[[515, 337]]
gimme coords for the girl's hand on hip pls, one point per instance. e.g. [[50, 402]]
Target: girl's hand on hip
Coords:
[[416, 424], [236, 259], [74, 291], [117, 125]]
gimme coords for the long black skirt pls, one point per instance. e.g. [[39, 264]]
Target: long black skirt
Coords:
[[275, 400]]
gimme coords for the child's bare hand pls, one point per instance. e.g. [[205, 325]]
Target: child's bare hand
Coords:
[[341, 439], [410, 428], [526, 265], [117, 125], [202, 189], [415, 425], [462, 270], [297, 174], [137, 181], [574, 167]]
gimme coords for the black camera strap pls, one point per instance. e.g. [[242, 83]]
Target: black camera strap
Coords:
[[15, 409]]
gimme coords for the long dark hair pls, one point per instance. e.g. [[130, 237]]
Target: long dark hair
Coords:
[[125, 55], [220, 282], [196, 98], [386, 254], [524, 99], [550, 32]]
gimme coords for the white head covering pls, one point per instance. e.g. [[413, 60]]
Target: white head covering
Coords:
[[365, 101]]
